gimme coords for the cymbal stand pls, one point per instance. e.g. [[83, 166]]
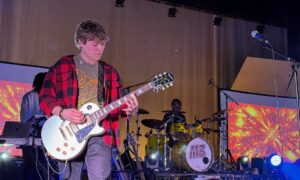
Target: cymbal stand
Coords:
[[165, 163], [128, 134], [137, 133], [223, 127]]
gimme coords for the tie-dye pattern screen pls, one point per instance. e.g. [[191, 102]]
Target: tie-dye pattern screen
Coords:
[[259, 125], [15, 81]]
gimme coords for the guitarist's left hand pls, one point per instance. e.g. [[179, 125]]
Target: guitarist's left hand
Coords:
[[132, 105]]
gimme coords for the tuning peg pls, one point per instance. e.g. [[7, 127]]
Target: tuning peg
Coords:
[[156, 76], [163, 88], [160, 75], [171, 84], [167, 86]]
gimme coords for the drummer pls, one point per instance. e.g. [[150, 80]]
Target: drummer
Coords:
[[173, 116]]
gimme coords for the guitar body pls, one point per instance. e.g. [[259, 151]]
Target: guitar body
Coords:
[[59, 137]]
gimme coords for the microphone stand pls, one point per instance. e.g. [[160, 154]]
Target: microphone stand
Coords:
[[226, 126], [293, 75]]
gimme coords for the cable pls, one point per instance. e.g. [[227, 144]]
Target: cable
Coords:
[[50, 166], [276, 97], [36, 162]]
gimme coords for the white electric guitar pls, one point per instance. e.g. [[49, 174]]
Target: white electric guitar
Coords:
[[64, 140]]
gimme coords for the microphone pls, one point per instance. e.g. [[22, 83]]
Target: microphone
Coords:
[[255, 34]]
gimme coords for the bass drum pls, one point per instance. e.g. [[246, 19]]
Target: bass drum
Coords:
[[195, 155]]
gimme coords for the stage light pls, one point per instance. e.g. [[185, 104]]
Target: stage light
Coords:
[[172, 12], [153, 157], [120, 3], [4, 155], [217, 20], [243, 162], [274, 162]]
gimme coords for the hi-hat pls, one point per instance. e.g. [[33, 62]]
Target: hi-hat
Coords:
[[211, 130], [152, 123], [167, 111], [143, 111]]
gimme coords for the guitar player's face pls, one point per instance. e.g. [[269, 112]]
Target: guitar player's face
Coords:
[[92, 50]]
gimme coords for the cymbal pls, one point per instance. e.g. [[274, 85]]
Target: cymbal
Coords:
[[167, 111], [206, 119], [222, 111], [152, 123], [211, 119], [143, 111], [211, 130]]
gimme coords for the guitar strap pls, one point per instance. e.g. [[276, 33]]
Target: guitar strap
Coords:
[[100, 92]]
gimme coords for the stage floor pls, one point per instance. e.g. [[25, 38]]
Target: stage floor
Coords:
[[149, 174]]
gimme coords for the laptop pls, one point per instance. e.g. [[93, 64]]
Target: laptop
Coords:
[[13, 129]]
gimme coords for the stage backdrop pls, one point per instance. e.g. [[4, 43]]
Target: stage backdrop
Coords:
[[15, 81]]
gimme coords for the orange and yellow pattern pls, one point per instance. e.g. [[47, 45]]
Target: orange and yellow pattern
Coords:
[[260, 130], [11, 94]]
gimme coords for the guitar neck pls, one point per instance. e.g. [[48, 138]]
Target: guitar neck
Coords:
[[103, 112]]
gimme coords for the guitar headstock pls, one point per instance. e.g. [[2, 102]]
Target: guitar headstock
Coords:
[[162, 81]]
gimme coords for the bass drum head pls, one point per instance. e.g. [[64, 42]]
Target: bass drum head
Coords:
[[199, 154]]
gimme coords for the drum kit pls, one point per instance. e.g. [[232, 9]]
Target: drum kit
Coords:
[[190, 152]]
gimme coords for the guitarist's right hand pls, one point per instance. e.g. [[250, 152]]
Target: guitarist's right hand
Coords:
[[73, 115]]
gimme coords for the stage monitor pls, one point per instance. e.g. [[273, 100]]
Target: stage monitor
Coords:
[[259, 125], [15, 81]]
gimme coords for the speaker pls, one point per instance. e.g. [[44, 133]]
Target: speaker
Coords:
[[260, 164], [11, 169]]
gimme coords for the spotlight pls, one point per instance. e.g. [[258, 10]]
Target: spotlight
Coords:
[[153, 157], [274, 162], [120, 3], [4, 155], [243, 162], [172, 12], [217, 21]]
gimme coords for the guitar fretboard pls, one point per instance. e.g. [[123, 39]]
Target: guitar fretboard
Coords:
[[103, 112]]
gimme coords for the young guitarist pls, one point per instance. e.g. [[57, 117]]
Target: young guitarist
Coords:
[[76, 80]]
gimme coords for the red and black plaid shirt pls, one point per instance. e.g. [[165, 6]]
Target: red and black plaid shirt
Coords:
[[60, 88]]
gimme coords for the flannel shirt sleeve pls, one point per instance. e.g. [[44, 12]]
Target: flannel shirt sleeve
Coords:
[[47, 96]]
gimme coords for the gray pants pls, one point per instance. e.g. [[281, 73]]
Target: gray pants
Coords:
[[97, 158]]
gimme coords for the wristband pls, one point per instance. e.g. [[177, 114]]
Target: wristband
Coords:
[[60, 114]]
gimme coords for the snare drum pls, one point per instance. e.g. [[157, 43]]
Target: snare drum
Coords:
[[179, 131], [195, 155]]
